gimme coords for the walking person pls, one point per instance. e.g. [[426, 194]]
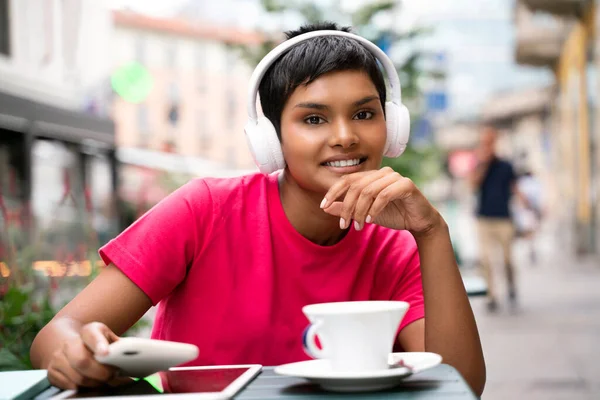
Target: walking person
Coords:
[[494, 181]]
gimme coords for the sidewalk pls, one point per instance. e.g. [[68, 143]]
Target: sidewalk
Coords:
[[549, 347]]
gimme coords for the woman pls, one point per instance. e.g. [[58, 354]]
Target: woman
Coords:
[[231, 262]]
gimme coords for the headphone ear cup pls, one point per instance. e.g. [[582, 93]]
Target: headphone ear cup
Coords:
[[273, 145], [398, 129], [264, 145]]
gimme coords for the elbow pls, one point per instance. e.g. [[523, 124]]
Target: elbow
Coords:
[[35, 350], [46, 342], [479, 385], [476, 379]]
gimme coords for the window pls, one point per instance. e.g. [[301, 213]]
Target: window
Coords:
[[201, 68], [140, 50], [173, 92], [203, 132], [201, 83], [57, 188], [4, 28], [171, 54], [231, 108], [200, 56], [143, 125], [230, 61], [105, 218]]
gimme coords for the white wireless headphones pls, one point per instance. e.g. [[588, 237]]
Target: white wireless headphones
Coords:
[[260, 132]]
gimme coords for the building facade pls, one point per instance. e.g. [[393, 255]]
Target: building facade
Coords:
[[569, 48], [195, 104], [55, 51]]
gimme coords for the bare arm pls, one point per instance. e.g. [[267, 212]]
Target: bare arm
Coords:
[[111, 299], [449, 328], [395, 202]]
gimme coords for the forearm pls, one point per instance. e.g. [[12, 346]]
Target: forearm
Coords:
[[51, 338], [450, 328]]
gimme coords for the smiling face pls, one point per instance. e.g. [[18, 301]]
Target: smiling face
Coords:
[[331, 127]]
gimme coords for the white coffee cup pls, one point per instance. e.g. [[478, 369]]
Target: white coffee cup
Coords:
[[354, 335]]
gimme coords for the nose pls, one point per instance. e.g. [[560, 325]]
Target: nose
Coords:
[[343, 135]]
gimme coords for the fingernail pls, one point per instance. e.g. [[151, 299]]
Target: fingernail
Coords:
[[323, 202], [102, 348], [356, 226], [368, 219], [342, 223]]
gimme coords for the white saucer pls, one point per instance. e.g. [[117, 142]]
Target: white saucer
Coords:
[[320, 373]]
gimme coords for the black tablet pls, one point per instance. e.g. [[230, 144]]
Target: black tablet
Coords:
[[202, 383]]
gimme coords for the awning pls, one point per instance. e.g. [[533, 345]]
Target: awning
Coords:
[[195, 166], [21, 115]]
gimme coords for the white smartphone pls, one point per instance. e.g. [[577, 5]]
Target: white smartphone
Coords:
[[220, 382], [138, 357]]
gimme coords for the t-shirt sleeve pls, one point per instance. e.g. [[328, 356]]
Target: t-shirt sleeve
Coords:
[[157, 249]]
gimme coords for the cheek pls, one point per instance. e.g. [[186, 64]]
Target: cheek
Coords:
[[379, 136], [298, 144]]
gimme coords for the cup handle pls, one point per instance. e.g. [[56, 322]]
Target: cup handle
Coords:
[[308, 341]]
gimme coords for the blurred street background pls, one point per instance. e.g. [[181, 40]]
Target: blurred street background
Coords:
[[108, 106]]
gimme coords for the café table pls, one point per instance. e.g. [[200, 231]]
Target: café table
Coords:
[[441, 382]]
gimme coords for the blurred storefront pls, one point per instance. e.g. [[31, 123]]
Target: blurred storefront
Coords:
[[57, 168], [562, 35], [58, 165]]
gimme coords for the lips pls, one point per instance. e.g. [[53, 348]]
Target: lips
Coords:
[[343, 163], [345, 160]]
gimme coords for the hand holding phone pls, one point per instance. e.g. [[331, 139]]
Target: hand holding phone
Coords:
[[138, 357]]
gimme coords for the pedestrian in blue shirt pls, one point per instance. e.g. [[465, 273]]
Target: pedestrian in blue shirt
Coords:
[[494, 181]]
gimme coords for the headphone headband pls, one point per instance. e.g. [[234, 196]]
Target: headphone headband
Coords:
[[274, 54]]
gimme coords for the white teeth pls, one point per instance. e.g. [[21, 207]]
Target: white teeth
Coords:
[[343, 163]]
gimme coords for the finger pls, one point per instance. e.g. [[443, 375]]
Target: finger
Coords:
[[334, 209], [64, 366], [368, 196], [402, 188], [354, 191], [338, 189], [81, 359], [60, 380], [80, 380], [97, 337]]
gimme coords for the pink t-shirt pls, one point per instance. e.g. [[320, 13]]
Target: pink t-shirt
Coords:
[[230, 274]]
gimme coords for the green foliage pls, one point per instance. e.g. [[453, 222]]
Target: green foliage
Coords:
[[419, 164], [22, 316], [364, 15], [29, 298]]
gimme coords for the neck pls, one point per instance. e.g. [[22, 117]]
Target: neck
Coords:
[[302, 209]]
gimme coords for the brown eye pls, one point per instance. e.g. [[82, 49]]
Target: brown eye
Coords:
[[364, 115], [314, 120]]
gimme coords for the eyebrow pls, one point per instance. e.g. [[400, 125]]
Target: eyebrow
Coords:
[[319, 106]]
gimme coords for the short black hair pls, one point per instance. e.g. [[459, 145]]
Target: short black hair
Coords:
[[309, 60]]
